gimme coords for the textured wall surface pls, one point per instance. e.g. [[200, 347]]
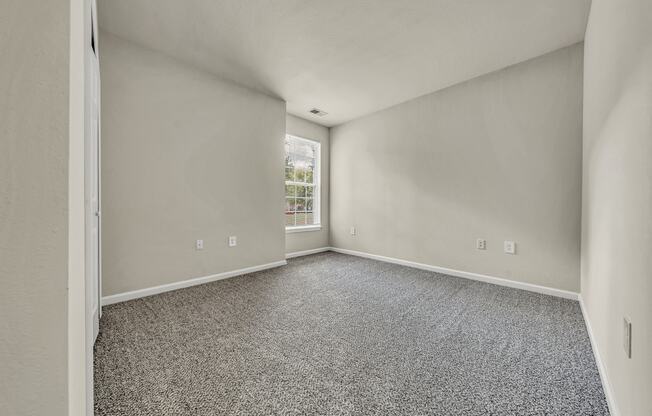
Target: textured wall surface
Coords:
[[186, 156], [34, 80], [498, 157], [312, 239], [617, 194]]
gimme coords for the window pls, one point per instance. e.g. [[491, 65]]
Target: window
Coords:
[[302, 193]]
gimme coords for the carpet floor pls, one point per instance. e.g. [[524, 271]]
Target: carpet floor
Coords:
[[332, 334]]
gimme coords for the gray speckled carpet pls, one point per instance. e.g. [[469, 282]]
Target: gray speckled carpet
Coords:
[[332, 334]]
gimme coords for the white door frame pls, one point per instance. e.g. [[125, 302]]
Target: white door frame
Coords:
[[93, 172], [92, 211]]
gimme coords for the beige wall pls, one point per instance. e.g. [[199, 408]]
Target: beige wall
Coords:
[[185, 156], [498, 157], [34, 80], [617, 200], [308, 240]]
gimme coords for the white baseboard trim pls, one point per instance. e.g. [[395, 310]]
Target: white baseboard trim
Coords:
[[306, 252], [141, 293], [606, 386], [467, 275]]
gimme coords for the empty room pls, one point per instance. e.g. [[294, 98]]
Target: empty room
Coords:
[[343, 207]]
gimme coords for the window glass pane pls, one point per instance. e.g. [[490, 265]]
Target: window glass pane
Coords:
[[290, 204], [302, 148], [290, 160], [300, 204], [301, 166], [289, 173], [300, 174], [309, 175], [301, 218]]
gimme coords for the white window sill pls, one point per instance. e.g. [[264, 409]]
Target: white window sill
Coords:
[[302, 229]]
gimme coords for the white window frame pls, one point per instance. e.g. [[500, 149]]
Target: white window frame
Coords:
[[316, 189]]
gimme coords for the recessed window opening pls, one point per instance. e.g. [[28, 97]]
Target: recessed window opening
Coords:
[[302, 183]]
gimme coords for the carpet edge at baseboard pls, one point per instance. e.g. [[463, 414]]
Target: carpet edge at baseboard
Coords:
[[602, 369], [155, 290], [306, 252], [467, 275], [140, 293]]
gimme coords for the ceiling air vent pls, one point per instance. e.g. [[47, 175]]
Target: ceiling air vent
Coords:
[[318, 112]]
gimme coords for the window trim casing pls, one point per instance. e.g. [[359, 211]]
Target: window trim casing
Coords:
[[316, 190], [302, 228]]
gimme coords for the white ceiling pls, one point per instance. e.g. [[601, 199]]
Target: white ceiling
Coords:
[[348, 57]]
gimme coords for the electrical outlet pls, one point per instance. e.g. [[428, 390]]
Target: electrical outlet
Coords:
[[509, 247], [627, 337], [199, 244], [233, 241], [481, 244], [352, 230]]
